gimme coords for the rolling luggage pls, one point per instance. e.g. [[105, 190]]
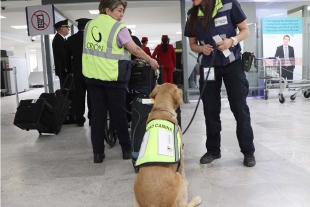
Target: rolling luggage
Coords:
[[46, 114], [34, 114], [141, 107], [142, 79]]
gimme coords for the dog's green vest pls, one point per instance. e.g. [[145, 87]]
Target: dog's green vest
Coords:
[[161, 143]]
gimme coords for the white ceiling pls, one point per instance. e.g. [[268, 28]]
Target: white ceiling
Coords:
[[152, 19]]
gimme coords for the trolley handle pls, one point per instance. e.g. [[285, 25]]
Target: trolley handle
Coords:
[[270, 58]]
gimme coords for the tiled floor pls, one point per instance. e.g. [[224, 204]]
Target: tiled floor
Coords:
[[56, 171]]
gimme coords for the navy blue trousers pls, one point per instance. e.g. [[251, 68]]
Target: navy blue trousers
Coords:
[[104, 98], [237, 87]]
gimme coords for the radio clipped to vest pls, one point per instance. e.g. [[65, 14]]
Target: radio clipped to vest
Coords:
[[247, 60]]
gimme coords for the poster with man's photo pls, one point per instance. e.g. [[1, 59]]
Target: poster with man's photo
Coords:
[[282, 37]]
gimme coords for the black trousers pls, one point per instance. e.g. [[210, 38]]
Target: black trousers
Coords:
[[113, 99], [237, 88], [81, 88], [62, 77]]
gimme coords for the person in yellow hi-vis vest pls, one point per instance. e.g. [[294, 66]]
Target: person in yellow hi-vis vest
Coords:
[[107, 66]]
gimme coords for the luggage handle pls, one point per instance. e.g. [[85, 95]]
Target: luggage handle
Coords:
[[67, 94], [70, 86]]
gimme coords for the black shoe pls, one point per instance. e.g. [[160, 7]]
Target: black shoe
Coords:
[[208, 158], [126, 155], [98, 158], [249, 160]]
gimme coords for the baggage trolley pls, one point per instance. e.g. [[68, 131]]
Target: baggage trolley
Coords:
[[273, 76]]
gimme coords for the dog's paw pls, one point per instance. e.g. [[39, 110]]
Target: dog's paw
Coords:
[[198, 200]]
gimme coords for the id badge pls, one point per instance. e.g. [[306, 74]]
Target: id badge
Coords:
[[211, 76]]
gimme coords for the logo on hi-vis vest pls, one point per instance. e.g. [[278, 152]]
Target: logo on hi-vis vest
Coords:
[[96, 34], [160, 126], [97, 37]]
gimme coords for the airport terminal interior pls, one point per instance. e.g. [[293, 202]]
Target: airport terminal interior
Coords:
[[58, 170]]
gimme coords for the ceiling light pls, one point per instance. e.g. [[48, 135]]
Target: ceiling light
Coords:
[[178, 32], [309, 8], [20, 27], [250, 24], [1, 17], [32, 50], [94, 11]]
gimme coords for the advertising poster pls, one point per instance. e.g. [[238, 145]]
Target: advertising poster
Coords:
[[282, 37]]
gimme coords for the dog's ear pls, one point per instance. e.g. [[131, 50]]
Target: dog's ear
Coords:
[[178, 96], [154, 92]]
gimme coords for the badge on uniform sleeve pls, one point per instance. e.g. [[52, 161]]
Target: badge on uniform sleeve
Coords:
[[220, 21], [211, 76]]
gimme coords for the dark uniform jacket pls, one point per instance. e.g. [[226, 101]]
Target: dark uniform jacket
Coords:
[[59, 54], [137, 41], [74, 48]]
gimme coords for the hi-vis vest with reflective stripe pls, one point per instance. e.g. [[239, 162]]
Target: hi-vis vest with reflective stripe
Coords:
[[161, 143], [101, 55], [222, 25]]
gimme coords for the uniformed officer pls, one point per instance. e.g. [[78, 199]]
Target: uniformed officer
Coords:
[[73, 60], [206, 20], [137, 41], [58, 45], [146, 49]]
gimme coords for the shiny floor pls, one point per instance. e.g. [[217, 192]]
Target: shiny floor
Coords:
[[58, 170]]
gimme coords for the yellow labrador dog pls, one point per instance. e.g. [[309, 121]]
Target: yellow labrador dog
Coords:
[[163, 185]]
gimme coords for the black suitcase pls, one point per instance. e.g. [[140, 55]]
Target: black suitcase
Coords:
[[141, 107], [61, 105], [46, 114], [34, 114], [142, 79]]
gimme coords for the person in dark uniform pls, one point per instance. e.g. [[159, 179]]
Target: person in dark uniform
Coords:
[[73, 60], [137, 41], [58, 45], [207, 19], [286, 53]]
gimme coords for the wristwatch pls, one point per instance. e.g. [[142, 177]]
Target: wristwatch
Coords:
[[235, 41]]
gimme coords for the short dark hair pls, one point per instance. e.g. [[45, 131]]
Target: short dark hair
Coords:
[[111, 4], [286, 36]]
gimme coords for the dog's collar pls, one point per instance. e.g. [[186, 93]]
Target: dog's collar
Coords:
[[172, 115]]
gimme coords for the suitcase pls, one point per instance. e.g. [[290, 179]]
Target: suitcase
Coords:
[[34, 114], [46, 114], [141, 107], [142, 79], [61, 105]]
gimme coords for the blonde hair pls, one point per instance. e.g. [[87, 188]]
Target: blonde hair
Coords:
[[111, 4]]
